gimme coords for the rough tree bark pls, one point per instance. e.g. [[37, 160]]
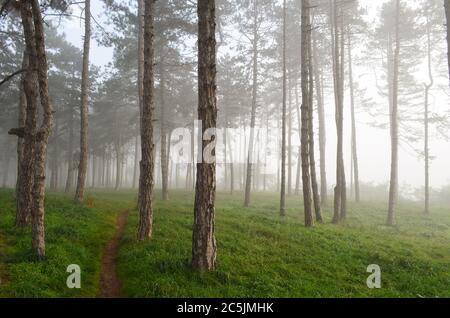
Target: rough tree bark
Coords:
[[394, 124], [27, 120], [203, 238], [282, 178], [305, 144], [42, 135], [82, 167], [146, 180]]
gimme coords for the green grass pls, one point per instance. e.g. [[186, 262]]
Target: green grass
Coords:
[[260, 255], [74, 235]]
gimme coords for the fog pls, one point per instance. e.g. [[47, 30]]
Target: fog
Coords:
[[373, 143]]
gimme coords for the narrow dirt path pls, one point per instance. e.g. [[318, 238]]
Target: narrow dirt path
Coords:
[[109, 281]]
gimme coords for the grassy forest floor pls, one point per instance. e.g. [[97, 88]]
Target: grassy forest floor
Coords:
[[259, 255]]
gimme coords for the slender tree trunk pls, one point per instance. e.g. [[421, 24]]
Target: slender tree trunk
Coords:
[[343, 189], [353, 118], [426, 118], [322, 126], [141, 5], [394, 123], [230, 152], [312, 157], [289, 138], [305, 112], [119, 161], [54, 164], [146, 180], [69, 180], [336, 77], [25, 158], [283, 122], [82, 168], [203, 239], [248, 181], [164, 139], [38, 211], [299, 159]]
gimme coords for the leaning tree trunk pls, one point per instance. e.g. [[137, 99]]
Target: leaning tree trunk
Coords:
[[82, 168], [203, 238], [146, 179], [306, 178], [248, 180], [282, 178], [42, 136]]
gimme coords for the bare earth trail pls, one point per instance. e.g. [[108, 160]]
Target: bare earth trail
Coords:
[[109, 281]]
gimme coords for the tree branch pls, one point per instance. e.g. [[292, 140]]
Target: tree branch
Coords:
[[10, 77]]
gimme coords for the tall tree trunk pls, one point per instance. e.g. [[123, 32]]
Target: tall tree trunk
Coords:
[[340, 196], [312, 157], [426, 116], [25, 197], [318, 76], [203, 238], [343, 189], [299, 159], [393, 187], [146, 180], [141, 5], [164, 137], [353, 118], [25, 158], [38, 211], [305, 144], [82, 168], [248, 180], [283, 122]]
